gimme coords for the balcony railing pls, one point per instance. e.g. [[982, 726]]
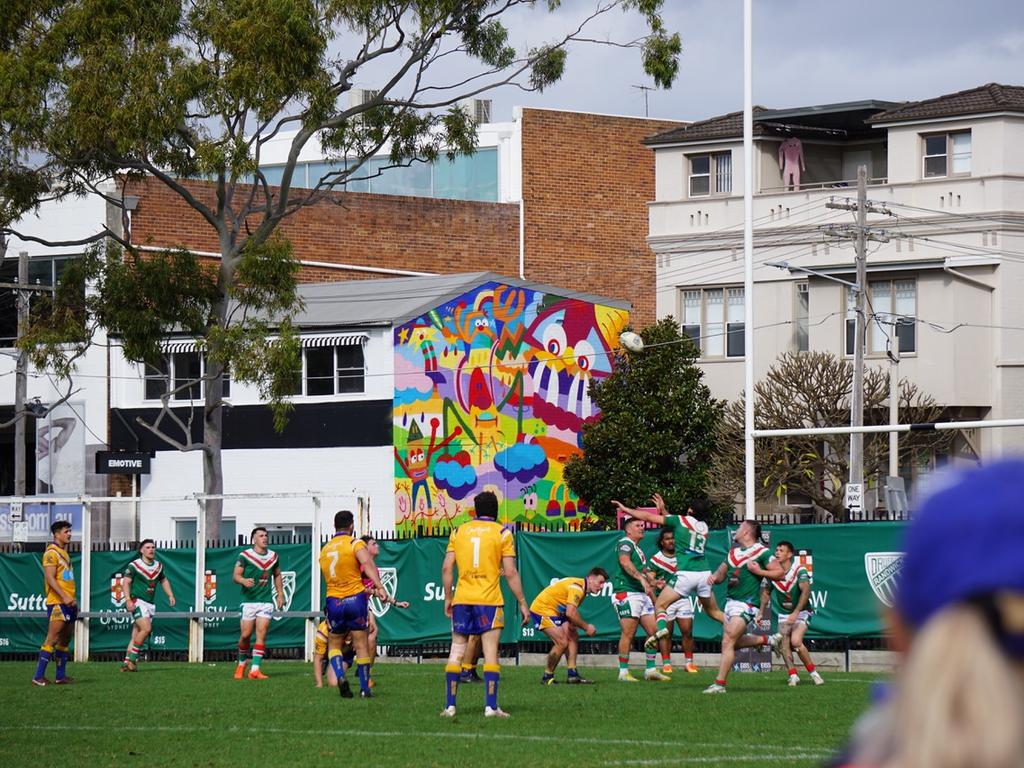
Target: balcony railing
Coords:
[[838, 184]]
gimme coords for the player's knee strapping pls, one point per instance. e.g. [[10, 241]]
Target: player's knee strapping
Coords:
[[452, 671], [335, 660], [492, 675], [455, 655]]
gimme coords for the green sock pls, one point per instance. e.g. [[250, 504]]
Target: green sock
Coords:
[[623, 663], [652, 659]]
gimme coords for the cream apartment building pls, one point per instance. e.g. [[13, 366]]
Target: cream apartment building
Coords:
[[948, 174]]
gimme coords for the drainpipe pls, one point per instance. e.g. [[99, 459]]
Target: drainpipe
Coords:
[[967, 278], [522, 239]]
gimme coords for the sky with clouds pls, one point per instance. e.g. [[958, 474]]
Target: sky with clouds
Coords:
[[805, 52]]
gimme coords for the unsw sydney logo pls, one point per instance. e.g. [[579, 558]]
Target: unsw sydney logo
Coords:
[[883, 569]]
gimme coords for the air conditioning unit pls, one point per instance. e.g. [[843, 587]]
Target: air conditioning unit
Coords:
[[478, 109], [358, 96]]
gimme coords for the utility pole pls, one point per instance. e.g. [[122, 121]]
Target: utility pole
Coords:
[[860, 234], [894, 403], [21, 377]]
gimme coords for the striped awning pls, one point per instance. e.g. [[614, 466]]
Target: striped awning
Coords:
[[334, 340], [319, 340], [174, 347]]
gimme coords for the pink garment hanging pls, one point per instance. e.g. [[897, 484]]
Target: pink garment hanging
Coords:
[[791, 161]]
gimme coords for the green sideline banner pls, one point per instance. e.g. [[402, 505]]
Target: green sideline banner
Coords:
[[854, 567]]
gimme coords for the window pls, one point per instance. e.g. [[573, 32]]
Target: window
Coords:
[[947, 154], [185, 370], [185, 530], [801, 319], [893, 308], [42, 271], [331, 371], [714, 319], [710, 174]]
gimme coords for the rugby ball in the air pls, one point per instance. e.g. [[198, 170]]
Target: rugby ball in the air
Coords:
[[631, 341]]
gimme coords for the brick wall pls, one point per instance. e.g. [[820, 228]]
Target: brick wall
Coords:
[[410, 233], [587, 180]]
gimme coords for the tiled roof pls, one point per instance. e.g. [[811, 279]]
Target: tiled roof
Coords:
[[986, 98], [721, 127]]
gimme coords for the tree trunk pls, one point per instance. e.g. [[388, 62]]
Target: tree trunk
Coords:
[[213, 435]]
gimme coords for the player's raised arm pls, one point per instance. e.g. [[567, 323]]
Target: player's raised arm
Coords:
[[647, 516], [515, 584], [773, 571]]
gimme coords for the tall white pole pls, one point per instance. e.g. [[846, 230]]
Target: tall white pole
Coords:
[[748, 255], [894, 400]]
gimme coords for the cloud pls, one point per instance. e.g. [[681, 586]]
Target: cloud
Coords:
[[522, 462], [456, 478]]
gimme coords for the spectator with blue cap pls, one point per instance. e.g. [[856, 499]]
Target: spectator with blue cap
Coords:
[[958, 699]]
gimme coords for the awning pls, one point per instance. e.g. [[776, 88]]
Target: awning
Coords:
[[318, 340]]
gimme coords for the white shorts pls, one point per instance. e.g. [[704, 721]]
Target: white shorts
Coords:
[[688, 583], [143, 610], [680, 609], [804, 617], [632, 605], [251, 611], [737, 608]]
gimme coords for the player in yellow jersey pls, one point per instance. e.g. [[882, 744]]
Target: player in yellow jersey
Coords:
[[61, 605], [555, 612], [348, 655], [481, 550], [343, 562]]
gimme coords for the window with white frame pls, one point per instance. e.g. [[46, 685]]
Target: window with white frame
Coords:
[[946, 154], [180, 369], [801, 318], [892, 310], [710, 174], [331, 371], [714, 319]]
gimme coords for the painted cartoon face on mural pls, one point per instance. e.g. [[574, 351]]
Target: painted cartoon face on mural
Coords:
[[499, 377]]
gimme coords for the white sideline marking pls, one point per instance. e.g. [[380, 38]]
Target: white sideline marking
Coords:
[[758, 758], [417, 734]]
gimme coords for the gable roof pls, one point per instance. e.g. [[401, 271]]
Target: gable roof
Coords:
[[393, 301], [992, 97]]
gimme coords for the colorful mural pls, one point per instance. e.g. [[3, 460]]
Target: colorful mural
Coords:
[[491, 392]]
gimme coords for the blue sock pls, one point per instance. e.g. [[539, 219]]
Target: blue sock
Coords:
[[363, 672], [571, 672], [452, 672], [45, 654], [336, 665], [61, 654], [492, 673]]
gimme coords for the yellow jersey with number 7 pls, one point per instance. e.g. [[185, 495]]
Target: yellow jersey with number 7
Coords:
[[340, 567], [479, 546]]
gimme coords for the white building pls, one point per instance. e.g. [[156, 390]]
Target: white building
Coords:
[[951, 172]]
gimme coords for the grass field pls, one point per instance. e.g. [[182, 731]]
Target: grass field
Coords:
[[178, 714]]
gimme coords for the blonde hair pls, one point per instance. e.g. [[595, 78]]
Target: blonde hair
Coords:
[[960, 699]]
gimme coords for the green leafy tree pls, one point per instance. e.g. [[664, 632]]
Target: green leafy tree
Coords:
[[174, 91], [657, 429], [812, 389]]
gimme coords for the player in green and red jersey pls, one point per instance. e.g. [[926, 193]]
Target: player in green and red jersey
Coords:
[[254, 570], [747, 562], [139, 584], [632, 598], [790, 597], [663, 565]]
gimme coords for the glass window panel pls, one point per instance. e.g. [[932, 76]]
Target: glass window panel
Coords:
[[473, 177], [714, 314], [188, 369], [935, 166], [351, 369], [961, 152], [736, 340], [225, 390], [935, 145], [700, 185], [906, 298], [736, 307], [881, 304], [320, 371], [691, 307], [317, 172], [40, 271], [156, 379], [274, 173], [723, 173], [185, 530], [851, 320], [700, 164], [412, 180]]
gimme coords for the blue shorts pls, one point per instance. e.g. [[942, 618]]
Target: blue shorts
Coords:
[[61, 612], [345, 614], [544, 621], [477, 619]]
